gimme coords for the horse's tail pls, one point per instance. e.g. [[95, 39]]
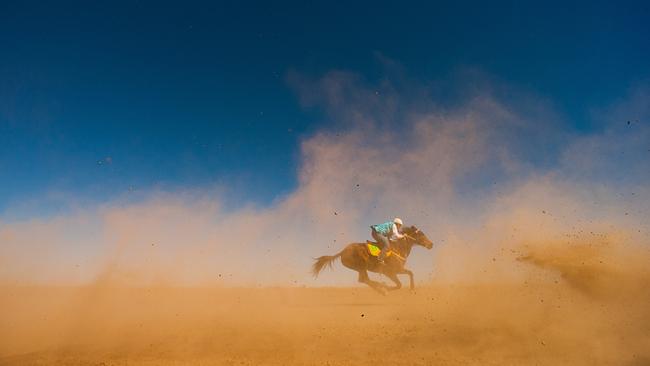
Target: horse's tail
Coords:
[[323, 261]]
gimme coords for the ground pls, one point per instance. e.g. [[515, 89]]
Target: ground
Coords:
[[547, 323]]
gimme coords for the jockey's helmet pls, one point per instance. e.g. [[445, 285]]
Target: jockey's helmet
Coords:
[[398, 221]]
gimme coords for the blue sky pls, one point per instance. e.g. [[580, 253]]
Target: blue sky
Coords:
[[105, 100]]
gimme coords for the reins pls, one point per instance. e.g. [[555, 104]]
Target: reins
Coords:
[[399, 255]]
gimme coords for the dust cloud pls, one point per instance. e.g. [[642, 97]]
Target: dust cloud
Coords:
[[533, 322], [541, 252]]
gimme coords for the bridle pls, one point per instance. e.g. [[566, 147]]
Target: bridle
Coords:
[[414, 239]]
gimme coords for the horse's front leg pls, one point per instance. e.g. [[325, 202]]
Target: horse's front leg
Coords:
[[411, 281]]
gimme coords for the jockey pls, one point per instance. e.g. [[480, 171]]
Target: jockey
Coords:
[[384, 233]]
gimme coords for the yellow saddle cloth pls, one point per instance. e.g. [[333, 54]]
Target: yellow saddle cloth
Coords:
[[374, 249]]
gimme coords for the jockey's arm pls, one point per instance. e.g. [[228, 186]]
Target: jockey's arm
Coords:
[[395, 234]]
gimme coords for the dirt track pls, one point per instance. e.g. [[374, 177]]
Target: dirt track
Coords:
[[542, 324]]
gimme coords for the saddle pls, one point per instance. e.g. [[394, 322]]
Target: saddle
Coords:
[[374, 250]]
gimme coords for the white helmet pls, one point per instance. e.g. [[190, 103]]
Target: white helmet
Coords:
[[397, 221]]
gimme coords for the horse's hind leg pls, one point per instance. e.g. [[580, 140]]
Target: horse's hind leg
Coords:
[[393, 277], [363, 278]]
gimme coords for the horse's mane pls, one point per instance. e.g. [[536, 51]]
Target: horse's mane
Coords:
[[409, 229]]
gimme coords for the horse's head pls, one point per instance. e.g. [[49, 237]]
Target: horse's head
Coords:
[[418, 237]]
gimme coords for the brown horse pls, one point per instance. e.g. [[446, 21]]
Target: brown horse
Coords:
[[356, 257]]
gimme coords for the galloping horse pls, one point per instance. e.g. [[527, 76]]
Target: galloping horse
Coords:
[[356, 256]]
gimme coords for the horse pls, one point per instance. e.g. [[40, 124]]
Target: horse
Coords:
[[356, 256]]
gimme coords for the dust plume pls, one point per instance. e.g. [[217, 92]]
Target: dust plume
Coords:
[[541, 236]]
